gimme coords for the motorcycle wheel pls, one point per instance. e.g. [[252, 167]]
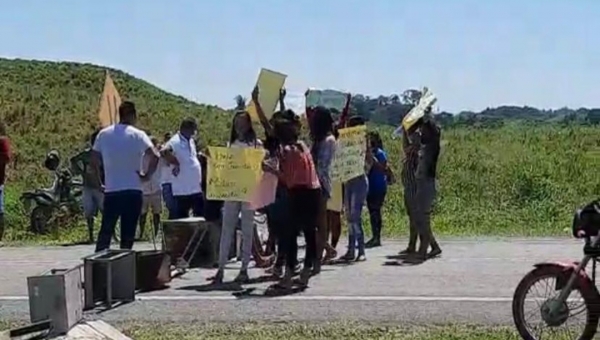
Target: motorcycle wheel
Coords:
[[38, 219], [590, 303]]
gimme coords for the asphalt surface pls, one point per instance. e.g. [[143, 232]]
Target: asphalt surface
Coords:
[[472, 282]]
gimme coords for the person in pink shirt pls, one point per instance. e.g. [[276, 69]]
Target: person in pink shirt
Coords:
[[298, 173]]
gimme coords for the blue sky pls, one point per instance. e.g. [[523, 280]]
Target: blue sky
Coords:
[[472, 54]]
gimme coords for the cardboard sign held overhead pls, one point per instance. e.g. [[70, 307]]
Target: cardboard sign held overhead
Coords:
[[269, 83], [109, 103], [427, 100], [331, 99]]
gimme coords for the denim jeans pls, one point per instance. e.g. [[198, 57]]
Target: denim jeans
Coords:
[[125, 205], [170, 203], [355, 195]]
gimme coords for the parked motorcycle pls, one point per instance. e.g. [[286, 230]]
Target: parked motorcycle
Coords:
[[47, 207], [572, 291]]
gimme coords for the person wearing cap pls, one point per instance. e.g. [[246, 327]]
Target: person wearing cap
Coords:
[[119, 148]]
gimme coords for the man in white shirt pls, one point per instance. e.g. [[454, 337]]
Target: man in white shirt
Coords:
[[186, 177], [166, 175], [152, 199], [119, 148]]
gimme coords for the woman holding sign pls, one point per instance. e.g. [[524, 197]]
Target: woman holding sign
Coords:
[[242, 136], [297, 172], [355, 195]]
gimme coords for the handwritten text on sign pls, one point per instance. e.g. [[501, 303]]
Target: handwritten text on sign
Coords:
[[233, 173], [350, 155]]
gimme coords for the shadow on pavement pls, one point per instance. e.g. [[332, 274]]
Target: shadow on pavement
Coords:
[[212, 287], [270, 292]]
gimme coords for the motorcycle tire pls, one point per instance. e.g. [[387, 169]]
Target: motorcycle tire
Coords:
[[38, 220], [590, 297]]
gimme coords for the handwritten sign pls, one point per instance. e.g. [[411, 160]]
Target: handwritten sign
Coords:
[[233, 173], [349, 161], [109, 103], [269, 83], [331, 99]]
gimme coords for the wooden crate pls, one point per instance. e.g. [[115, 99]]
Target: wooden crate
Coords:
[[56, 295]]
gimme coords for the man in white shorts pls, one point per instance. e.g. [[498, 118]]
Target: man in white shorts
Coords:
[[152, 199]]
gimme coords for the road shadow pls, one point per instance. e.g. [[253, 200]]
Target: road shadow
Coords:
[[402, 263], [215, 287], [100, 308], [79, 243], [271, 292], [262, 279]]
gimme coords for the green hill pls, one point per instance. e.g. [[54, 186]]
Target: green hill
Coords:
[[50, 105], [511, 180]]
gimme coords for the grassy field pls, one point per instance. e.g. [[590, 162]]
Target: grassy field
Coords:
[[291, 331], [510, 181]]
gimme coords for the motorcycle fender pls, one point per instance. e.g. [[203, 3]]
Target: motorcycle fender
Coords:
[[41, 200], [583, 281]]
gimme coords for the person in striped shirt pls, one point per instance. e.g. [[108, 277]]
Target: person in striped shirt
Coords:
[[419, 177]]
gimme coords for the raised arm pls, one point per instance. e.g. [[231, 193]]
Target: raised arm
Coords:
[[282, 94], [261, 114]]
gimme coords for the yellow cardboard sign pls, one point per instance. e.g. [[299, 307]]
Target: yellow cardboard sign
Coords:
[[233, 173], [335, 201], [269, 83], [349, 161], [110, 101]]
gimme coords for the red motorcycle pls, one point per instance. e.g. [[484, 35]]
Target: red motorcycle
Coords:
[[570, 288]]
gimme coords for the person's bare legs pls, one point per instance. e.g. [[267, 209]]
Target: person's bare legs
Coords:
[[334, 221], [143, 218]]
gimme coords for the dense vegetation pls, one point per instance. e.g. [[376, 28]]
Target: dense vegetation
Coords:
[[390, 109], [509, 180]]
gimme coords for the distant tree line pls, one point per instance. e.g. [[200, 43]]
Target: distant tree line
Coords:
[[391, 109]]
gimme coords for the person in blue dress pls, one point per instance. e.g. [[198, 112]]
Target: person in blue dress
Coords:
[[378, 183]]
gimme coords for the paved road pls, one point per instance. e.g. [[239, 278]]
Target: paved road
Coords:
[[472, 283]]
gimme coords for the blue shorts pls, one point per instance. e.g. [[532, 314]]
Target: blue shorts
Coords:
[[93, 200], [1, 199]]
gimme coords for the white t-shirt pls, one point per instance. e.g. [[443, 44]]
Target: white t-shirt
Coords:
[[152, 185], [165, 171], [240, 144], [189, 179], [121, 147]]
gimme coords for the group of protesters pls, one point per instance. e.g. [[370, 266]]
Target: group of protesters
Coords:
[[128, 174]]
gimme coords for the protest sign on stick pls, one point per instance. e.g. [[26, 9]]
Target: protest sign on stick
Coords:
[[233, 173], [110, 101]]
